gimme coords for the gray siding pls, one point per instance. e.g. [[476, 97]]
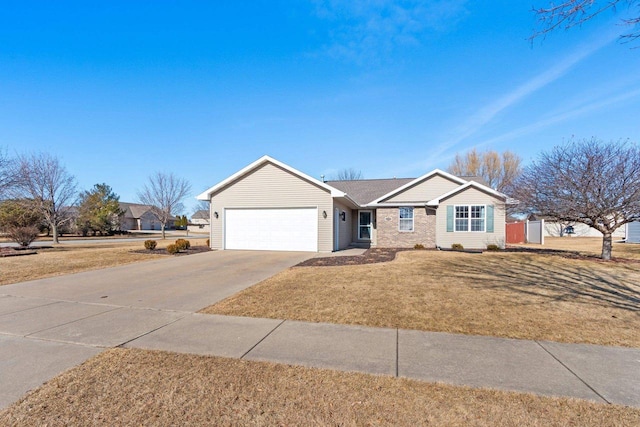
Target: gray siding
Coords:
[[424, 191], [269, 186], [345, 227], [633, 232], [552, 229], [471, 240]]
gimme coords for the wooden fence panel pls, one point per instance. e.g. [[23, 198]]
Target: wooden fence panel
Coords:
[[515, 232]]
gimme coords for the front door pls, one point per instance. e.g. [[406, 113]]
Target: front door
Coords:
[[364, 225]]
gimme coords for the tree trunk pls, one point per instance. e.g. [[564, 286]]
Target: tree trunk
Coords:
[[54, 227], [162, 227], [606, 246]]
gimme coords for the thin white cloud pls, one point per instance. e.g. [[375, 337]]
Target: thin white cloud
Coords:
[[486, 114], [364, 30], [562, 117]]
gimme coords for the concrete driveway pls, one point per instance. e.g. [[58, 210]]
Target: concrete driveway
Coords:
[[186, 283], [50, 325]]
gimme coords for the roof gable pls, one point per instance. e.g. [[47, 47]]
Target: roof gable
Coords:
[[206, 195], [417, 181], [472, 184]]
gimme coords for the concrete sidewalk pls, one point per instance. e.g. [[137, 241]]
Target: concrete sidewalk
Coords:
[[598, 373], [70, 332]]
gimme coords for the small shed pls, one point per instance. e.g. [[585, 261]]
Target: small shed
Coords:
[[633, 232]]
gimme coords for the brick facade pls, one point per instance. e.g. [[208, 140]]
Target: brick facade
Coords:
[[424, 229]]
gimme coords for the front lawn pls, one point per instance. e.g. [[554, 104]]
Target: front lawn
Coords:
[[514, 295], [74, 258], [589, 246], [137, 387]]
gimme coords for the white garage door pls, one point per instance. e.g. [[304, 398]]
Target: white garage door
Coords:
[[272, 229]]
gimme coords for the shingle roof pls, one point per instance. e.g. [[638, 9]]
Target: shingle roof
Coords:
[[134, 210], [201, 214], [364, 191]]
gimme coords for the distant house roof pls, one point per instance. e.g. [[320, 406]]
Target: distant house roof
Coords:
[[135, 210], [364, 191], [201, 214], [70, 210]]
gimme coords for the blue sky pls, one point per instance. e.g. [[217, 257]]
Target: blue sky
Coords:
[[119, 90]]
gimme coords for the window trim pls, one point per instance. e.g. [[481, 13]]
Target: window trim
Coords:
[[370, 225], [470, 219], [400, 219]]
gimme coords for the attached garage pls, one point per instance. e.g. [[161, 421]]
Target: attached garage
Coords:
[[274, 229], [271, 206]]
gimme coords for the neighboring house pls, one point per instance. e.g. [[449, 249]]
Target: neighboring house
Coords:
[[199, 222], [140, 217], [69, 225], [555, 228], [632, 234], [269, 205]]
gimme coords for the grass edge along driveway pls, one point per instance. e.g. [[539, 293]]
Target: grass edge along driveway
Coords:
[[511, 295]]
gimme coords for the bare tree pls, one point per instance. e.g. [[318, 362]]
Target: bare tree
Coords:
[[559, 228], [202, 205], [349, 174], [42, 178], [7, 174], [571, 13], [498, 170], [588, 182], [164, 193]]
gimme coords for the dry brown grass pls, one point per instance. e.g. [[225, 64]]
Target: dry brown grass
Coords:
[[137, 387], [515, 295], [588, 246], [66, 259]]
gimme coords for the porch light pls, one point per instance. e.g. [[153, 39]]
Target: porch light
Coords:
[[343, 215], [215, 214], [324, 214]]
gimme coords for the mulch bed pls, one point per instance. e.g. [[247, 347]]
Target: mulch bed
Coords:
[[192, 250], [376, 255], [9, 251], [371, 256]]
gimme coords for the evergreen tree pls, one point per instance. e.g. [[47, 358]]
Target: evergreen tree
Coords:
[[99, 210]]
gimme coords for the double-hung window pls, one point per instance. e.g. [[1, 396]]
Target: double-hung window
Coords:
[[470, 218], [405, 222], [477, 218], [462, 218]]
